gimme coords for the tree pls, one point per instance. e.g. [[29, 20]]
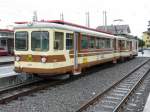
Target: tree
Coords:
[[141, 42]]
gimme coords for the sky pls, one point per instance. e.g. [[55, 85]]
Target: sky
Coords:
[[133, 12]]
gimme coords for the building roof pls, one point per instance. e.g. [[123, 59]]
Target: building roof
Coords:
[[116, 29], [129, 36], [148, 32], [6, 33]]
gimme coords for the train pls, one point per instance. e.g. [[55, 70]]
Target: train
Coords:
[[55, 47]]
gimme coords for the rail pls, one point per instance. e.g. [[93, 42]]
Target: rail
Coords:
[[12, 93], [97, 97]]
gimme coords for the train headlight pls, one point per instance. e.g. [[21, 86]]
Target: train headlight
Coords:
[[43, 59], [17, 58]]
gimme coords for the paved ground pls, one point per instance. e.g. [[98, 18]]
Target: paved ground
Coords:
[[6, 71]]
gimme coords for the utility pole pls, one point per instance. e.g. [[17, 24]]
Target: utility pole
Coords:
[[87, 19], [105, 20], [35, 18], [62, 16]]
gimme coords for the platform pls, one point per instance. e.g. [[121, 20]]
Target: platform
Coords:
[[7, 70], [146, 53], [8, 74], [6, 59]]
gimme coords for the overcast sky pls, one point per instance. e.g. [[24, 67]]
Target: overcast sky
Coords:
[[136, 13]]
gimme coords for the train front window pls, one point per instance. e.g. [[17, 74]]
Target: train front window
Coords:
[[21, 41], [59, 41], [40, 41]]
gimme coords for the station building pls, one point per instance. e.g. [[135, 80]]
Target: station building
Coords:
[[146, 39], [118, 30], [7, 40], [146, 36]]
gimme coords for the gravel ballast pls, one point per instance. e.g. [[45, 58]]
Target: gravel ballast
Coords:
[[68, 97]]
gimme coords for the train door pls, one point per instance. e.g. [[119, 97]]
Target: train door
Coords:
[[115, 50], [119, 45], [130, 45], [115, 45], [76, 48], [136, 45]]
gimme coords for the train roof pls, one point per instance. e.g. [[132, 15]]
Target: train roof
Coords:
[[76, 25], [58, 24]]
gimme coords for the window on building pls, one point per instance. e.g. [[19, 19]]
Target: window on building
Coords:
[[21, 40], [40, 41], [69, 41], [59, 41], [84, 42]]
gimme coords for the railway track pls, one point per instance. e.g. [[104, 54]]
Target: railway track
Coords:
[[19, 85], [113, 99], [13, 92]]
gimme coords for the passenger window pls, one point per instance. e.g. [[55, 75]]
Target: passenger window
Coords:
[[84, 42], [92, 42], [107, 43], [101, 43], [59, 41], [40, 41], [69, 41], [128, 44], [123, 44]]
